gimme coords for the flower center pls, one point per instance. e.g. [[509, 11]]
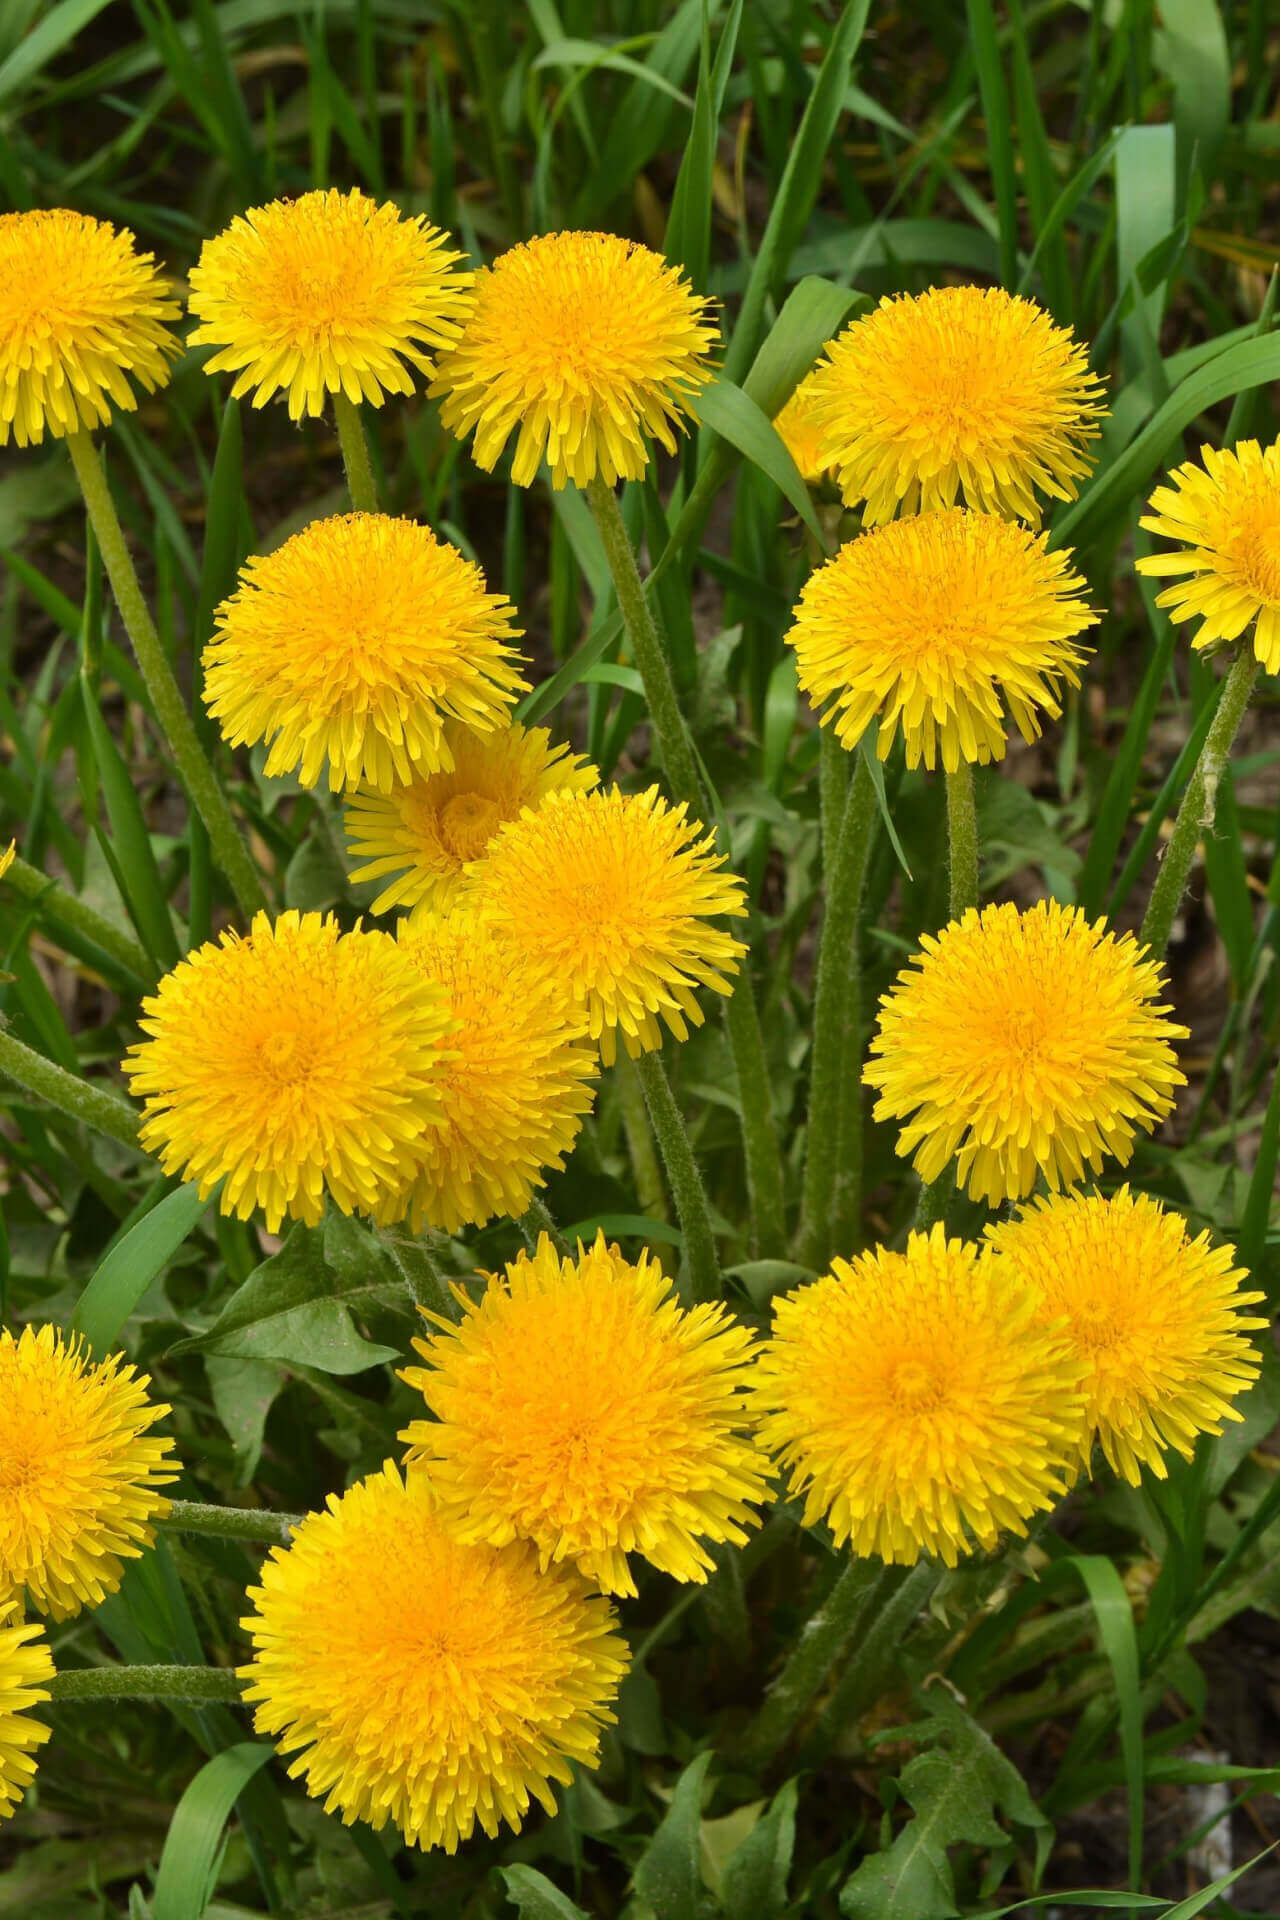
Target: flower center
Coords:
[[284, 1056], [1259, 549], [1095, 1327], [468, 823], [914, 1387]]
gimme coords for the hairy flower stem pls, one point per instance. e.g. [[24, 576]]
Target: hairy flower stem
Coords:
[[230, 849], [686, 1182], [825, 1636], [428, 1287], [355, 455], [231, 1523], [535, 1221], [68, 910], [203, 1684], [962, 839], [79, 1099], [830, 1190], [896, 1602], [1199, 802], [635, 1125], [742, 1019]]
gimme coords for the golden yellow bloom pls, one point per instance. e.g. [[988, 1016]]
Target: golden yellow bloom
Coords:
[[25, 1672], [586, 345], [79, 1472], [577, 1406], [1226, 517], [611, 896], [1153, 1316], [82, 315], [918, 1401], [436, 1685], [959, 393], [1023, 1043], [427, 832], [937, 624], [329, 293], [353, 646], [515, 1087], [798, 429], [295, 1062]]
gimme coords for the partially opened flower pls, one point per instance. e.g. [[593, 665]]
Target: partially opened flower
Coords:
[[423, 834], [1153, 1315], [585, 346], [26, 1669], [329, 293], [83, 318], [612, 896], [960, 393], [918, 1401], [515, 1087], [422, 1681], [354, 646], [294, 1063], [79, 1472], [797, 426], [1225, 516], [940, 625], [577, 1406], [1023, 1044]]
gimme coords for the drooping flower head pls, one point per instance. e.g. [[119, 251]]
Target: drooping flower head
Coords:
[[961, 393], [1154, 1317], [83, 317], [577, 1406], [612, 896], [585, 346], [798, 428], [329, 293], [26, 1669], [1023, 1043], [918, 1401], [422, 1681], [515, 1087], [291, 1063], [79, 1472], [426, 832], [1225, 515], [937, 625], [353, 646]]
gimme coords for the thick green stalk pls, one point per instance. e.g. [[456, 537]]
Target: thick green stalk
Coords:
[[203, 1684], [762, 1157], [79, 1099], [826, 1635], [230, 849], [535, 1221], [686, 1182], [650, 1192], [894, 1605], [962, 839], [68, 910], [428, 1287], [355, 455], [231, 1523], [1199, 802], [833, 1015]]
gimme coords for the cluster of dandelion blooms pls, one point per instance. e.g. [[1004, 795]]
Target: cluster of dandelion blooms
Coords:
[[26, 1669], [83, 318], [355, 647], [424, 834], [79, 1472], [439, 1685], [1225, 514], [295, 1062], [937, 625], [579, 1407], [586, 347]]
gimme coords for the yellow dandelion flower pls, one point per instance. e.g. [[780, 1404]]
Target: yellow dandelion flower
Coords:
[[959, 393], [516, 1085], [354, 645], [937, 625], [83, 315], [329, 293], [79, 1473], [427, 832], [797, 427], [1153, 1316], [612, 896], [918, 1402], [433, 1684], [25, 1672], [585, 345], [1226, 516], [1024, 1044], [577, 1406], [291, 1063]]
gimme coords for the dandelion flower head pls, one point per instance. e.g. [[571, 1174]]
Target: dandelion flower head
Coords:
[[798, 429], [25, 1672], [1225, 515]]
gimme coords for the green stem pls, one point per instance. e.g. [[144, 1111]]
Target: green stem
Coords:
[[355, 455], [229, 847], [833, 1016], [762, 1158], [650, 1192], [68, 910], [146, 1683], [79, 1099], [686, 1182], [826, 1635], [893, 1607], [231, 1523], [962, 839], [535, 1221], [427, 1286], [1199, 802]]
